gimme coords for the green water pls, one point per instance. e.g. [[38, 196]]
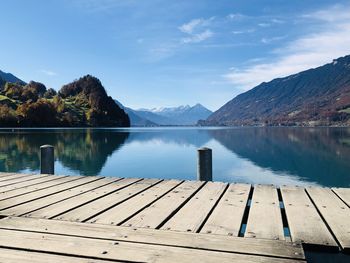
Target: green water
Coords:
[[302, 156]]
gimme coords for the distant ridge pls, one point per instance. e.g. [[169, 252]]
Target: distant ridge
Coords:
[[166, 116], [319, 96], [8, 77]]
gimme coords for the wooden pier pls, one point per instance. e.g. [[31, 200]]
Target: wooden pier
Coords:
[[51, 218]]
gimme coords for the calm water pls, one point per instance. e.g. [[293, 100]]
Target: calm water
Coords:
[[317, 156]]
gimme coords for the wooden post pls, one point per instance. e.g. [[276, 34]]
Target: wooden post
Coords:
[[204, 165], [47, 159]]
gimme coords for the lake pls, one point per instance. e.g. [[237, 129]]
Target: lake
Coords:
[[273, 155]]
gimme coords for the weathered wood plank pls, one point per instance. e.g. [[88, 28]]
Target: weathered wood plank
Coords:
[[56, 210], [192, 215], [335, 213], [56, 180], [158, 212], [10, 202], [17, 256], [305, 224], [157, 237], [19, 179], [36, 204], [14, 176], [36, 181], [344, 194], [227, 217], [265, 219], [128, 208], [3, 175]]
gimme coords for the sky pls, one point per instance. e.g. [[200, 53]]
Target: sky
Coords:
[[152, 53]]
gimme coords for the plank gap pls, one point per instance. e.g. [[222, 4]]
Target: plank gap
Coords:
[[286, 230], [243, 227]]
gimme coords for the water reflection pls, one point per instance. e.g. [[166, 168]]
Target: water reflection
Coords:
[[319, 155], [83, 151], [255, 155]]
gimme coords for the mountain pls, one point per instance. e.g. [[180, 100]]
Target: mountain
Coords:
[[8, 77], [319, 96], [82, 103], [182, 115], [135, 119]]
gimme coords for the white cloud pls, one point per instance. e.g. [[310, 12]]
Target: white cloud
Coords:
[[268, 40], [308, 51], [235, 16], [264, 24], [48, 72], [238, 32], [196, 30], [196, 38]]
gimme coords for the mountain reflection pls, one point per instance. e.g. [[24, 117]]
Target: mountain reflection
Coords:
[[84, 151], [319, 155]]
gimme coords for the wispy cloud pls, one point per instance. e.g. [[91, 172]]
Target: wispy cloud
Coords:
[[308, 51], [196, 30], [196, 38], [268, 40], [48, 72]]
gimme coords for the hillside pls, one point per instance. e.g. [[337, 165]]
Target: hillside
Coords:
[[8, 77], [319, 96], [82, 103]]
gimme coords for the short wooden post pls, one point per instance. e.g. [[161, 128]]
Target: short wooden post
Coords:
[[204, 165], [47, 159]]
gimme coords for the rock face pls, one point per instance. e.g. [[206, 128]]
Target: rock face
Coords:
[[319, 96]]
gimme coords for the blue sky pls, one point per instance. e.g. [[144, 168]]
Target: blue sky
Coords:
[[152, 53]]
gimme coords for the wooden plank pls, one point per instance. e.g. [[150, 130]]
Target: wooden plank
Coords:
[[344, 194], [75, 202], [87, 211], [335, 213], [154, 215], [19, 179], [153, 237], [16, 256], [192, 215], [305, 224], [35, 181], [4, 175], [10, 177], [74, 182], [265, 219], [36, 204], [227, 217], [56, 180], [128, 208]]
